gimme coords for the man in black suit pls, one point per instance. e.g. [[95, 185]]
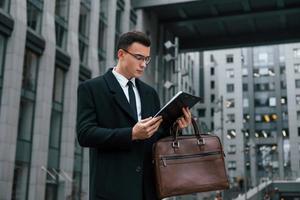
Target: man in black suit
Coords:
[[114, 121]]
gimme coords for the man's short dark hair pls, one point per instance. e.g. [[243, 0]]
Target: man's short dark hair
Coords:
[[128, 38]]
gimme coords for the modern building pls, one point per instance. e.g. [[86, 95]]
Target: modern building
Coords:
[[46, 49], [252, 103]]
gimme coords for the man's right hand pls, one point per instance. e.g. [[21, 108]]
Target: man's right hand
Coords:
[[145, 128]]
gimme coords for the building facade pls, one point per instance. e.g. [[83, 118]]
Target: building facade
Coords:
[[46, 49], [252, 103]]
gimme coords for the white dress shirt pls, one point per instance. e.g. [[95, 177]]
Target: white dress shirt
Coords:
[[123, 83]]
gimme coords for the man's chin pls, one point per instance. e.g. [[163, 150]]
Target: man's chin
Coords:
[[139, 73]]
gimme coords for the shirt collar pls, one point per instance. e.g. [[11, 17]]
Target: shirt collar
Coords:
[[122, 79]]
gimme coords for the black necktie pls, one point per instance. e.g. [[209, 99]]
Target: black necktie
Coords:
[[132, 101]]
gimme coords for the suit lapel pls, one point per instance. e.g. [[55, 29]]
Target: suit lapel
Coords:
[[118, 93]]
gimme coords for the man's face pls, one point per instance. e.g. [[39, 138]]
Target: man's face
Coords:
[[133, 60]]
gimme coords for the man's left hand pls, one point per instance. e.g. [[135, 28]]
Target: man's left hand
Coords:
[[186, 119]]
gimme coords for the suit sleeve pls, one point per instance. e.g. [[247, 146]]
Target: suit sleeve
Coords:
[[89, 134]]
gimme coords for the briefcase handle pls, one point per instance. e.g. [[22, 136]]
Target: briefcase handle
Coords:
[[175, 130]]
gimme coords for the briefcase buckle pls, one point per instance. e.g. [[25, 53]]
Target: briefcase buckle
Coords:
[[175, 144], [201, 141]]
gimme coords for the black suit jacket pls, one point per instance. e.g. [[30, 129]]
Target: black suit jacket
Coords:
[[120, 169]]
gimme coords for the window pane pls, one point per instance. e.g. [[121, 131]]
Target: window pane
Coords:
[[298, 99], [55, 129], [61, 9], [103, 8], [133, 19], [20, 181], [297, 68], [30, 71], [230, 87], [58, 88], [2, 54], [25, 119], [83, 52], [298, 115], [229, 73], [51, 191], [34, 15], [297, 83], [4, 5], [231, 133], [229, 58], [60, 35], [84, 20], [297, 53]]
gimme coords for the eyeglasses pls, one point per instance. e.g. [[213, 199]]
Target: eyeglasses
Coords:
[[139, 57]]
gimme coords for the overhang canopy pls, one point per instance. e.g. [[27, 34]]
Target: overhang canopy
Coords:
[[215, 24]]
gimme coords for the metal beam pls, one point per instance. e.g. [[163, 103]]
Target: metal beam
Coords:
[[154, 3], [243, 15], [209, 43]]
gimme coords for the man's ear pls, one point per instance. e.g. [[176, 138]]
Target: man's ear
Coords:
[[120, 54]]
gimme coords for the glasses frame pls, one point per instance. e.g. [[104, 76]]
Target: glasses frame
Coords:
[[139, 57]]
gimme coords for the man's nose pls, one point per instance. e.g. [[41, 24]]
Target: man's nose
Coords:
[[143, 64]]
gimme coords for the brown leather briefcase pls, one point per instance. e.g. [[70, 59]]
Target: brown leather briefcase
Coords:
[[189, 164]]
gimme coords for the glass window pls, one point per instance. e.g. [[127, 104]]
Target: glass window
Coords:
[[34, 14], [84, 20], [229, 73], [25, 119], [201, 112], [52, 185], [230, 88], [297, 68], [296, 53], [212, 71], [298, 99], [299, 131], [298, 115], [58, 88], [61, 36], [263, 56], [61, 23], [231, 133], [4, 5], [229, 103], [77, 171], [212, 84], [229, 58], [62, 9], [103, 8], [212, 98], [119, 17], [231, 165], [285, 116], [283, 84], [2, 56], [245, 72], [133, 19], [245, 103], [20, 181], [297, 83], [102, 36], [245, 87], [230, 118], [30, 71], [232, 149], [272, 101], [83, 52]]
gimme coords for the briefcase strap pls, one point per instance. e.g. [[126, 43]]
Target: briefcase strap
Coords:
[[175, 131]]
